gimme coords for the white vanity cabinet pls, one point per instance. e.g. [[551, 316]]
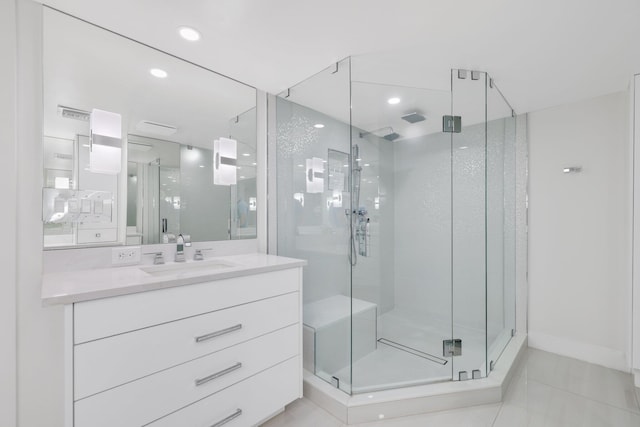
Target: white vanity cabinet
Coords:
[[221, 352]]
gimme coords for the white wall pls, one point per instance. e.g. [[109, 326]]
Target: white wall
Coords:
[[8, 171], [423, 227], [635, 130], [580, 231], [40, 330]]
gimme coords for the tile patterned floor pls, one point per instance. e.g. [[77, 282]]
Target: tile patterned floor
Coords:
[[547, 390]]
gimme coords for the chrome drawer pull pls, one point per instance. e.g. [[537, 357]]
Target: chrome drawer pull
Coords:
[[218, 333], [229, 418], [230, 369]]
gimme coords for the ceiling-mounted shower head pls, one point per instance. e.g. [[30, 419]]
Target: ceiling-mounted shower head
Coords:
[[414, 117], [392, 136]]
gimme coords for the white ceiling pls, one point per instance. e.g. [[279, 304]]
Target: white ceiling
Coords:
[[541, 52]]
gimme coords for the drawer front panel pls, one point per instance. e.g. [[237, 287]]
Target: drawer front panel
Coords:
[[150, 398], [248, 402], [109, 362], [97, 235], [111, 316]]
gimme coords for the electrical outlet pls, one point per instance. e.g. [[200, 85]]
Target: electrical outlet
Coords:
[[125, 255]]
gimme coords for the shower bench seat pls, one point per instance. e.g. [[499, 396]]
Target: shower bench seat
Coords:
[[329, 333]]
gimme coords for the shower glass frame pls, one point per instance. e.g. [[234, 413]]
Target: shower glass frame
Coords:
[[351, 291]]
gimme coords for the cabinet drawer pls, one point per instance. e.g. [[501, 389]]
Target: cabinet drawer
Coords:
[[109, 362], [152, 397], [97, 235], [244, 404], [111, 316]]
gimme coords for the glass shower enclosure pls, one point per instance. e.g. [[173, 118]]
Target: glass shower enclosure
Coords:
[[402, 199]]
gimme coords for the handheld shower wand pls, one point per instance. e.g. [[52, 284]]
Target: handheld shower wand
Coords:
[[357, 214]]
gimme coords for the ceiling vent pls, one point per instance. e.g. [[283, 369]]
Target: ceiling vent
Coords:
[[137, 146], [73, 113], [156, 128]]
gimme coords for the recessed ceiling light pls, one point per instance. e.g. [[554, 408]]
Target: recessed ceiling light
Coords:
[[241, 176], [201, 166], [318, 126], [157, 72], [367, 164], [393, 101], [246, 154], [254, 163], [189, 34]]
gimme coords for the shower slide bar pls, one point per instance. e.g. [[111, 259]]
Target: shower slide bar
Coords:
[[413, 351]]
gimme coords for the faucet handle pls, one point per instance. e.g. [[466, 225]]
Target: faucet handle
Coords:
[[187, 239], [159, 257], [198, 256]]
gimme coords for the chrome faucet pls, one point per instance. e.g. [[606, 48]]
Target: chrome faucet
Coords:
[[181, 242]]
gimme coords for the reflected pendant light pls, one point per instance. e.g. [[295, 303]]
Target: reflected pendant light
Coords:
[[225, 157], [105, 155]]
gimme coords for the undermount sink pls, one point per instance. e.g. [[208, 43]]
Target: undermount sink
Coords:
[[186, 267]]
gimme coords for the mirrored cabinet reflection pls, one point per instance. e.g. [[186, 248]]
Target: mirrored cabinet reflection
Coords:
[[77, 205], [132, 152]]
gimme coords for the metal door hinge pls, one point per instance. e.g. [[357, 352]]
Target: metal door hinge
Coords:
[[335, 381], [451, 347], [452, 124]]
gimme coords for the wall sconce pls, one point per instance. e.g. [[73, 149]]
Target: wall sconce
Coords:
[[105, 151], [572, 169], [337, 199], [225, 157], [315, 175]]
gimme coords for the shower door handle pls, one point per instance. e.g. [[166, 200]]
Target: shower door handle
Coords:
[[164, 225]]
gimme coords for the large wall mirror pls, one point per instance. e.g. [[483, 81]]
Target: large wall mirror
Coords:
[[182, 159]]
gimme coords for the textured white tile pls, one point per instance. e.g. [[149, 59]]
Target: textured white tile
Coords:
[[592, 381], [546, 390], [478, 416], [532, 403], [303, 412]]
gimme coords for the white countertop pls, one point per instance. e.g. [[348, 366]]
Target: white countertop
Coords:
[[84, 285]]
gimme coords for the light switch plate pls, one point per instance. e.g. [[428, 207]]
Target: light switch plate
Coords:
[[126, 255]]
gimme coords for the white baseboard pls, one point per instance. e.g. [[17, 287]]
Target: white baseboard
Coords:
[[599, 355]]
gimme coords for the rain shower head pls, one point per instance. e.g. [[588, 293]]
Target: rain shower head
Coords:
[[414, 117], [392, 136]]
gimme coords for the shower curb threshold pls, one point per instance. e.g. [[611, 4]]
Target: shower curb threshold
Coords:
[[421, 399]]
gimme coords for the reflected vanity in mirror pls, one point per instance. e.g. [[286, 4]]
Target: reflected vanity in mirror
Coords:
[[177, 125]]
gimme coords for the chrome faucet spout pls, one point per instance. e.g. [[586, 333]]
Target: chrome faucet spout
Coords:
[[180, 249]]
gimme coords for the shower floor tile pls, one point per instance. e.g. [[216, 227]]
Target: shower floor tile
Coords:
[[388, 367]]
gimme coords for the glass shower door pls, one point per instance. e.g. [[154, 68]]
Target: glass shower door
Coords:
[[469, 231], [483, 214], [401, 236], [312, 154]]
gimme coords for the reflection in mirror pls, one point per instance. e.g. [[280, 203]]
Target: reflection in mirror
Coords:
[[166, 129]]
